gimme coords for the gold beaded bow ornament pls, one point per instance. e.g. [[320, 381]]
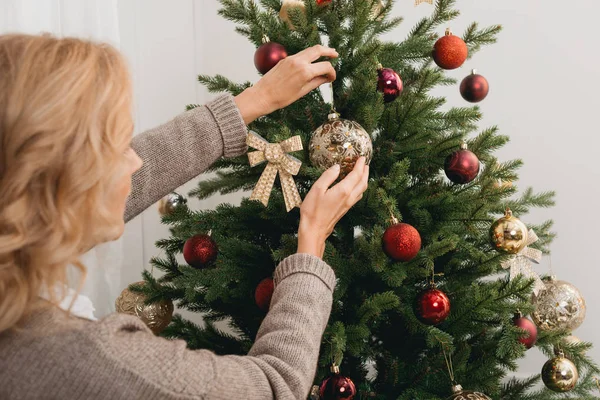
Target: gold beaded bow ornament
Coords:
[[520, 263], [277, 161]]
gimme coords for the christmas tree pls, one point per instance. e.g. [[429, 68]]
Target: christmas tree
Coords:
[[393, 331]]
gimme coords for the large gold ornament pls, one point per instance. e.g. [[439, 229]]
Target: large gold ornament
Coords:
[[559, 306], [460, 394], [339, 141], [277, 162], [288, 5], [509, 234], [560, 374], [156, 316], [169, 203]]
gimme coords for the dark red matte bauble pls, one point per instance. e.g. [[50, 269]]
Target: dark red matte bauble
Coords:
[[432, 306], [268, 55], [528, 325], [450, 52], [462, 166], [401, 242], [337, 387], [389, 83], [474, 88], [200, 251], [264, 293]]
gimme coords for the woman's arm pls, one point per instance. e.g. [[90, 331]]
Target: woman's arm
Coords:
[[178, 151]]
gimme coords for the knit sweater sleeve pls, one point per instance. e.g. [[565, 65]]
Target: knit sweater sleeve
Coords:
[[176, 152], [280, 365]]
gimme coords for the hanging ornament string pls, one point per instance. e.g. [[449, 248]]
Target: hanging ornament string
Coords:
[[448, 359]]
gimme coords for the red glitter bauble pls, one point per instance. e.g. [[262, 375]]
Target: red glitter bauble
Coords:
[[263, 293], [401, 242], [200, 251], [337, 387], [531, 337], [450, 52], [268, 55], [323, 2], [389, 83], [474, 88], [462, 166], [432, 306]]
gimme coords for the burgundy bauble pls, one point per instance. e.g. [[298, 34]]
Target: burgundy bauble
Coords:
[[462, 166], [337, 387], [264, 293], [401, 242], [268, 55], [200, 251], [389, 83], [450, 52], [432, 306], [528, 325], [474, 87]]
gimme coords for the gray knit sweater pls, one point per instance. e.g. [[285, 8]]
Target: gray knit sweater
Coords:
[[56, 356]]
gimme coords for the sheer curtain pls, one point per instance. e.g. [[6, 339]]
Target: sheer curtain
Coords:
[[91, 19]]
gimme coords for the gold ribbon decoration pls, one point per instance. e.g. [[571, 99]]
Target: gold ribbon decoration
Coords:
[[275, 154], [520, 263], [417, 2]]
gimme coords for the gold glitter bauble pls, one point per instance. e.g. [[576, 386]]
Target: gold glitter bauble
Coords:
[[339, 141], [156, 316], [378, 5], [460, 394], [509, 234], [560, 374], [286, 6], [169, 203], [559, 306]]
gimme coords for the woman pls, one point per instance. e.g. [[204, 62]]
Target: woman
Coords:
[[67, 166]]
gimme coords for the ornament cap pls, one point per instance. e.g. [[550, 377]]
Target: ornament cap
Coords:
[[333, 116], [379, 66], [265, 39], [448, 32], [473, 71], [464, 146], [518, 314], [457, 388], [334, 369], [508, 213]]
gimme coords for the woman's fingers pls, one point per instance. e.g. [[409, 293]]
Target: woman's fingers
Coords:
[[347, 185], [315, 52], [323, 68], [361, 186], [327, 179]]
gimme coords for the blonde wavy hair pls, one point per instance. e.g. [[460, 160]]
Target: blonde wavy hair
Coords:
[[65, 117]]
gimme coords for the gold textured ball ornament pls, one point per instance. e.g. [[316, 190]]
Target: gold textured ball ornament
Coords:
[[339, 141], [461, 394], [156, 316], [288, 5], [170, 202], [509, 234], [560, 374], [559, 306]]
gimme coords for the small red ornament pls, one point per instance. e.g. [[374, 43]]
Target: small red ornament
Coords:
[[323, 2], [401, 242], [432, 306], [268, 55], [462, 166], [200, 250], [264, 293], [389, 83], [450, 52], [474, 87], [524, 323], [337, 387]]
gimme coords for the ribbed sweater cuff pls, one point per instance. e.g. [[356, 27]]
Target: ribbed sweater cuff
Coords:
[[308, 264], [231, 124]]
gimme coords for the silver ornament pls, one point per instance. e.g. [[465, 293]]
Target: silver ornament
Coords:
[[460, 394], [339, 141], [559, 306], [170, 202]]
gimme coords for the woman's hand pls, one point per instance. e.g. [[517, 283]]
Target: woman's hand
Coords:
[[325, 206], [292, 78]]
